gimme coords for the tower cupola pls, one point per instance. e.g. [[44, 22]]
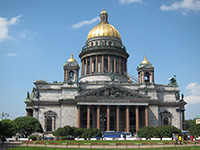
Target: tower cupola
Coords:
[[145, 72], [71, 70]]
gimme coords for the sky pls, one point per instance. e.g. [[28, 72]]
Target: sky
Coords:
[[38, 36]]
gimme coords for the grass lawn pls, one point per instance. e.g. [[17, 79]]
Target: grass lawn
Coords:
[[103, 141], [53, 148]]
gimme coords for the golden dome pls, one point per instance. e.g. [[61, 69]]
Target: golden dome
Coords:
[[71, 59], [104, 28], [145, 61], [103, 11]]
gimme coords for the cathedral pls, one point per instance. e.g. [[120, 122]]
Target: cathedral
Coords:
[[104, 95]]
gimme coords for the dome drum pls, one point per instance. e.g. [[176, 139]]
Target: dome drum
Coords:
[[103, 51]]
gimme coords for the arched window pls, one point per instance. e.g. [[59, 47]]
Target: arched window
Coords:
[[71, 76], [165, 121], [105, 64], [166, 118], [49, 123], [117, 64], [50, 120], [147, 77]]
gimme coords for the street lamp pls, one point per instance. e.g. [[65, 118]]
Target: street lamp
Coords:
[[4, 115]]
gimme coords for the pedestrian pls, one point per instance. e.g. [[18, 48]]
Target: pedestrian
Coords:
[[191, 137], [180, 138], [176, 139]]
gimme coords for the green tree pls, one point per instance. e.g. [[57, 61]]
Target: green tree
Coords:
[[8, 128], [67, 130], [96, 132], [78, 132], [195, 130], [28, 125], [189, 123], [87, 133], [163, 131], [59, 132], [146, 132]]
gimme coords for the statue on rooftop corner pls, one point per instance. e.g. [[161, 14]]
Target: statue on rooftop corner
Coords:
[[27, 97], [172, 81], [35, 93], [146, 90], [112, 77]]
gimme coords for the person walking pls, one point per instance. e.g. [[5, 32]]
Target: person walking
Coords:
[[180, 139], [176, 139], [191, 137]]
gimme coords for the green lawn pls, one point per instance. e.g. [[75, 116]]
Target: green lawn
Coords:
[[53, 148], [104, 141]]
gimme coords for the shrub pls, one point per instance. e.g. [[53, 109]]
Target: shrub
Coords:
[[63, 137], [163, 131], [32, 137]]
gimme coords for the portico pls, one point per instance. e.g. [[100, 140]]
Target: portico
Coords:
[[108, 118], [127, 111]]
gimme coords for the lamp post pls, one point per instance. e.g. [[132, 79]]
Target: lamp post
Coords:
[[103, 120], [4, 115]]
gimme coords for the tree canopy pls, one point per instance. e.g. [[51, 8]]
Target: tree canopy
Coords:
[[163, 131], [77, 132], [28, 125], [8, 128], [189, 123], [195, 130]]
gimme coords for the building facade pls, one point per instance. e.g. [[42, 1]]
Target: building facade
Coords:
[[104, 96]]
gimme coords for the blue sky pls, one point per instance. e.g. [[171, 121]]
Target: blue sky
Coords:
[[38, 36]]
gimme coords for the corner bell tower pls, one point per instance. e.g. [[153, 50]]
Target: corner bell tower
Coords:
[[71, 70], [145, 72]]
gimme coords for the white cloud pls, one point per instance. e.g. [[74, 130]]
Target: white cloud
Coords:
[[27, 34], [11, 54], [130, 1], [185, 6], [194, 90], [85, 22], [4, 27]]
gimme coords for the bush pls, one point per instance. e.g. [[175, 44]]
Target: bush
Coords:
[[32, 137], [195, 130], [163, 131], [63, 138], [68, 133]]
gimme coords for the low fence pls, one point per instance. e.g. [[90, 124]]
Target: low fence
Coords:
[[8, 145]]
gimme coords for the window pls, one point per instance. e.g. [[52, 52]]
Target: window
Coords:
[[49, 123], [106, 64], [146, 77], [165, 121], [71, 76]]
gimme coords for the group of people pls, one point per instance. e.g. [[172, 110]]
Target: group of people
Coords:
[[179, 138]]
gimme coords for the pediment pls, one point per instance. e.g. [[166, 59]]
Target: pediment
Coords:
[[114, 91]]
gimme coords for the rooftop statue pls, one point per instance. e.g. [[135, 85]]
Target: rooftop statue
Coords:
[[112, 77], [172, 81]]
